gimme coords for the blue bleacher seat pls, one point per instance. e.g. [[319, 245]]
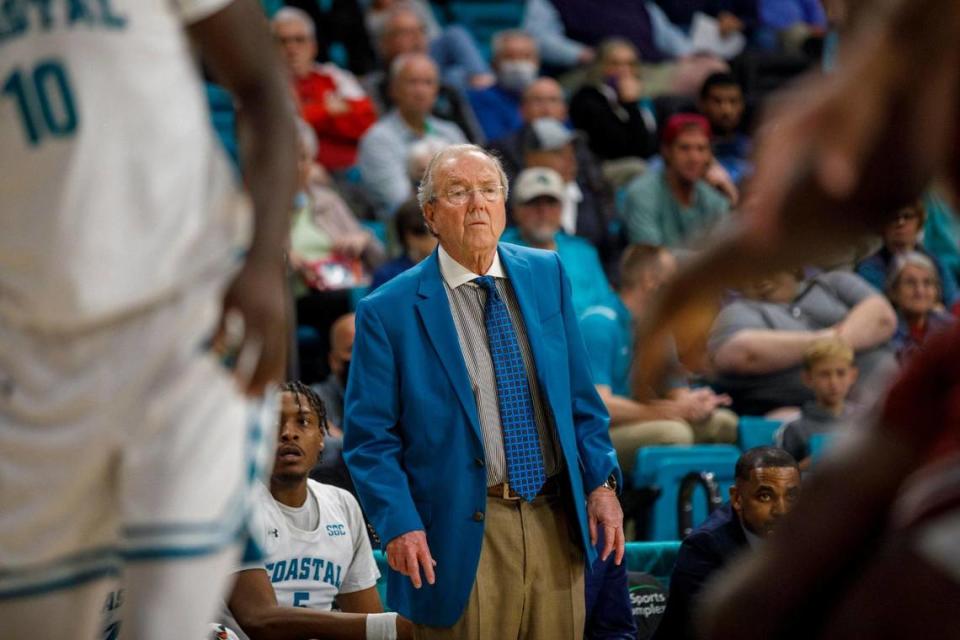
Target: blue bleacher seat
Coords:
[[664, 467], [483, 18], [755, 431], [819, 444], [382, 565]]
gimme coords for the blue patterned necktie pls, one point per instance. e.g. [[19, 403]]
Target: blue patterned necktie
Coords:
[[521, 442]]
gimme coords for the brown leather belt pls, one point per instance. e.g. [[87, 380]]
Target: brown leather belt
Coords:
[[550, 488]]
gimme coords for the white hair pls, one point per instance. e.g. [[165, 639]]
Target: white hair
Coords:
[[499, 39], [426, 193], [421, 152], [910, 259], [402, 60], [293, 14]]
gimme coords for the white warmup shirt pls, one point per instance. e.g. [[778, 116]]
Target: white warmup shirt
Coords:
[[309, 567], [114, 192]]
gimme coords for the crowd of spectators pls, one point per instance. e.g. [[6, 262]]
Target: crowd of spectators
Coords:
[[627, 140]]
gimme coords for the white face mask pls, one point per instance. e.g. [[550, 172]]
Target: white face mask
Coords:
[[516, 75]]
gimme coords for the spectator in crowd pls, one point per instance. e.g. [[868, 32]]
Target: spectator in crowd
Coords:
[[757, 342], [794, 22], [673, 206], [902, 235], [538, 195], [681, 415], [384, 149], [722, 103], [914, 289], [587, 207], [733, 16], [516, 64], [765, 489], [331, 469], [419, 156], [830, 372], [542, 99], [853, 142], [329, 253], [408, 26], [513, 483], [567, 31], [332, 389], [323, 227], [608, 108], [451, 103], [340, 32], [416, 241], [317, 551], [330, 99]]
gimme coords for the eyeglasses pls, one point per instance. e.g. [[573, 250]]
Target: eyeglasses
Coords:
[[903, 216], [925, 283], [292, 39], [460, 195]]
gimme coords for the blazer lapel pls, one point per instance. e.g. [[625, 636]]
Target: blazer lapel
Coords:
[[434, 310]]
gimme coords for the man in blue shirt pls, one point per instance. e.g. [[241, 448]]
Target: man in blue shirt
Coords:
[[678, 415], [722, 104], [516, 62], [537, 205]]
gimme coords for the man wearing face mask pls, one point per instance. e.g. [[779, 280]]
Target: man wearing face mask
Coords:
[[330, 469], [516, 63]]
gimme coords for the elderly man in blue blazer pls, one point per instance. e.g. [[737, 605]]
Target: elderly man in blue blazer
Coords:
[[478, 445]]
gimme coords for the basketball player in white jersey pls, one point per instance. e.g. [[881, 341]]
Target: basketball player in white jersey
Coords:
[[124, 234], [316, 547]]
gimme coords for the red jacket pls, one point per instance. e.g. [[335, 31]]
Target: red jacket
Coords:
[[337, 134]]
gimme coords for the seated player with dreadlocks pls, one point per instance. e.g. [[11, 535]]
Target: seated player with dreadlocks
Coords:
[[316, 548]]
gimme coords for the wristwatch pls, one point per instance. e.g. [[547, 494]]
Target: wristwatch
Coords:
[[610, 483]]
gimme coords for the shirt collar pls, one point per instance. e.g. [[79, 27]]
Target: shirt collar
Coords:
[[753, 540], [455, 274]]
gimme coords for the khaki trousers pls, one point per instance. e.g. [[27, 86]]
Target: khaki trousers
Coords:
[[719, 426], [529, 582]]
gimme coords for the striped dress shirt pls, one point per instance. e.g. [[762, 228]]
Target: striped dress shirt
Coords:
[[467, 301]]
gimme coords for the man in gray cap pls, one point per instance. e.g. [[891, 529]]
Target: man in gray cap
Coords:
[[587, 207], [538, 204]]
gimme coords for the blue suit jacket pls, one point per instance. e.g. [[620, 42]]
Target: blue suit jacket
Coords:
[[708, 548], [412, 432]]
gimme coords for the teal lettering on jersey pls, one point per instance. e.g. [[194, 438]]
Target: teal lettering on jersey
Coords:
[[13, 18], [305, 569], [109, 17], [46, 17], [19, 16], [278, 570], [292, 570], [78, 11]]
